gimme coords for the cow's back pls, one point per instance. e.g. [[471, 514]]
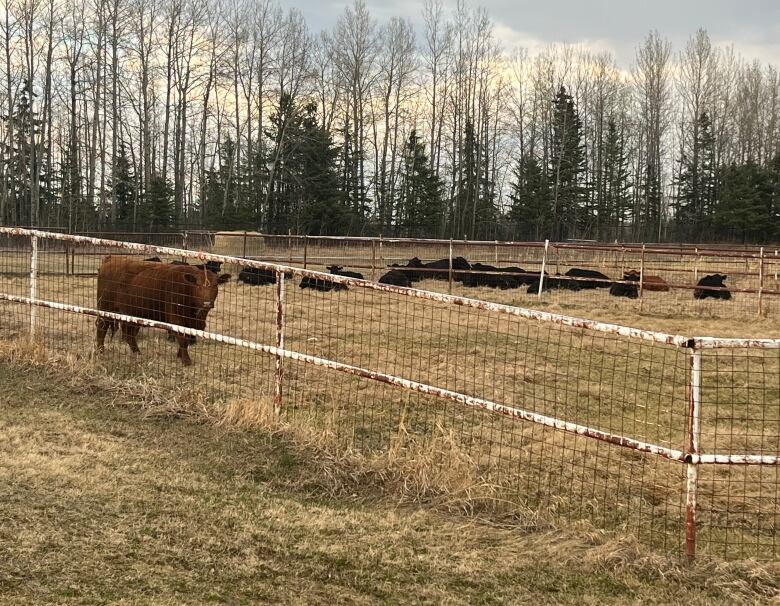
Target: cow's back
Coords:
[[114, 276]]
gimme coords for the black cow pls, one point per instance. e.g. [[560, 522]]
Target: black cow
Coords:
[[408, 269], [443, 265], [555, 282], [493, 280], [396, 277], [256, 276], [521, 275], [598, 280], [154, 259], [626, 290], [321, 284], [713, 281], [338, 270]]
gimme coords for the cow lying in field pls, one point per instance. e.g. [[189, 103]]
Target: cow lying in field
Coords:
[[177, 294], [710, 282], [338, 270], [321, 284], [596, 278], [631, 291], [396, 277], [416, 270], [556, 282], [649, 283], [497, 278], [256, 276]]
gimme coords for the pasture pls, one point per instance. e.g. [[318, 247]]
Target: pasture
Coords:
[[473, 461], [107, 498]]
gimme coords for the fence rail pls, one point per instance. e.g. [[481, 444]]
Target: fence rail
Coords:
[[627, 398], [752, 286]]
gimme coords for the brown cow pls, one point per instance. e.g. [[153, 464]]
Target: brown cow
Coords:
[[649, 283], [177, 294]]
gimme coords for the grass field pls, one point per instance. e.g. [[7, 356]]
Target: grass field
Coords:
[[105, 501], [466, 459]]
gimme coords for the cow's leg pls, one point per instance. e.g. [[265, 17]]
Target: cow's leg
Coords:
[[102, 327], [129, 333], [182, 354]]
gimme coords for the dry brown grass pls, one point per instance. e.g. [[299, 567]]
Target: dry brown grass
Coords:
[[441, 453], [101, 504]]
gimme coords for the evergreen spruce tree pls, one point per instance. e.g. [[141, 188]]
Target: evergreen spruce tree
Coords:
[[567, 168], [697, 182], [219, 209], [420, 204], [616, 206], [320, 203], [744, 207], [18, 153], [530, 213], [157, 212], [125, 191]]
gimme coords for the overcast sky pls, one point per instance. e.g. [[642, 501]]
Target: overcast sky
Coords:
[[753, 26]]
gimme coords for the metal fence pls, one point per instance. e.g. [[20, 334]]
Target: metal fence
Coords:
[[666, 277], [673, 439]]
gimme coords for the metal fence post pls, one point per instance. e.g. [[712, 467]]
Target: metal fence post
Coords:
[[33, 284], [641, 276], [691, 461], [243, 250], [289, 247], [305, 250], [760, 279], [450, 268], [373, 260], [381, 252], [279, 341], [496, 252], [544, 264]]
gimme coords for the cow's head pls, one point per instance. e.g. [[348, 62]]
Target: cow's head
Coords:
[[204, 285]]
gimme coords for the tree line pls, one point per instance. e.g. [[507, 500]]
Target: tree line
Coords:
[[147, 115]]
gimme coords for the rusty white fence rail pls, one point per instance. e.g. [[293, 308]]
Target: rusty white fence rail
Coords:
[[691, 454]]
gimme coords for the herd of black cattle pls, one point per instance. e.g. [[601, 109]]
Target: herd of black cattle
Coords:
[[479, 274]]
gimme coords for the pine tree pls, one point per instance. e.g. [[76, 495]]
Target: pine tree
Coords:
[[530, 212], [616, 206], [420, 204], [157, 211], [18, 153], [697, 181], [744, 207], [567, 168], [125, 191]]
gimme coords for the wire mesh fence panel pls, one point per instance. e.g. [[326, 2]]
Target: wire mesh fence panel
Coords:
[[540, 414]]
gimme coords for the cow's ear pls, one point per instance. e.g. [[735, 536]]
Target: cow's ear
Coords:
[[190, 278], [223, 278]]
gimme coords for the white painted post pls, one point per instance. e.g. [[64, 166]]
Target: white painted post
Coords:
[[33, 284], [450, 269], [544, 264], [691, 463], [279, 341]]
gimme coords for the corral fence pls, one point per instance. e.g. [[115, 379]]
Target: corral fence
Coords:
[[673, 439], [753, 272]]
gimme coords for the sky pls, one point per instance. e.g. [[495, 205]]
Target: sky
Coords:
[[752, 26]]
